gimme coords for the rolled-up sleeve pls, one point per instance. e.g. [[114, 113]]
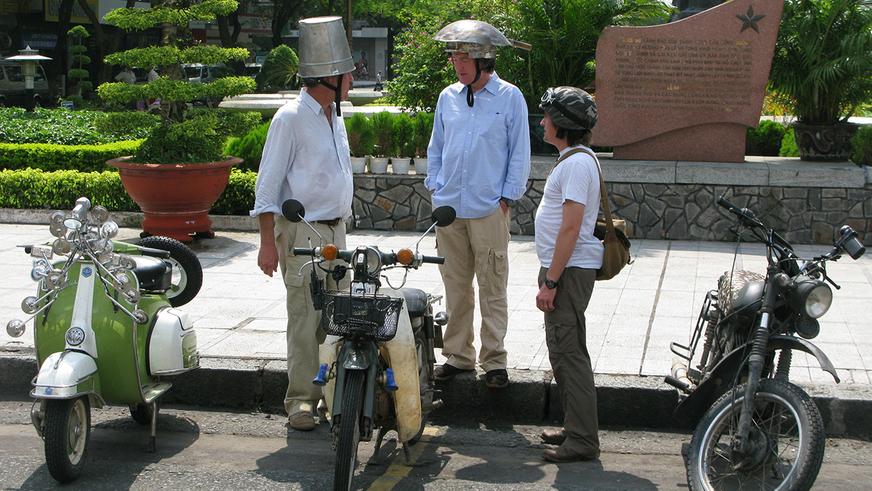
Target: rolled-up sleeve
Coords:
[[434, 149], [274, 167], [518, 170]]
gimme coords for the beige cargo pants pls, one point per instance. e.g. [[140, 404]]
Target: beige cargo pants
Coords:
[[475, 247], [303, 333]]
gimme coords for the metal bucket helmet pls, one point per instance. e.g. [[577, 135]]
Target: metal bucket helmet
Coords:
[[324, 52], [476, 38], [569, 108]]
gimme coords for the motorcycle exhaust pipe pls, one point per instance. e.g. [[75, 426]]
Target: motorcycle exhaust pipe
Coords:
[[678, 378]]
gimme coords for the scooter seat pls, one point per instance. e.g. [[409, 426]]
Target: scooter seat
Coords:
[[154, 275], [416, 301]]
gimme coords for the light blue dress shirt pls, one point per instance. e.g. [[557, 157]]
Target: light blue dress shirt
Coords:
[[479, 154]]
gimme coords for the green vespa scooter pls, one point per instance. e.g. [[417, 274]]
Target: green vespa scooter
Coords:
[[105, 329]]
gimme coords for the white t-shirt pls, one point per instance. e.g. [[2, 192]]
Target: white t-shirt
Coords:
[[575, 179]]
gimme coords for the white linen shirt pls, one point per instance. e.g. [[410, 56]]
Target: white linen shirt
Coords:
[[305, 160], [575, 179]]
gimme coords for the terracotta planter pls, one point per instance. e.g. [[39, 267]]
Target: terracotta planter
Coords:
[[175, 198], [824, 142]]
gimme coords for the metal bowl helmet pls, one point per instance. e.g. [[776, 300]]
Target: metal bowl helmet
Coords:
[[324, 52], [478, 39], [569, 108]]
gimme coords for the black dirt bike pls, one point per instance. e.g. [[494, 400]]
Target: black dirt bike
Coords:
[[758, 430]]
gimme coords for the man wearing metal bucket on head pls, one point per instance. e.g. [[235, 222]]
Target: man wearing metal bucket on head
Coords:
[[478, 163], [306, 157]]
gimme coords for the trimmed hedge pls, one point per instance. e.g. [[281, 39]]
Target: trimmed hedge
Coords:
[[51, 157], [36, 189]]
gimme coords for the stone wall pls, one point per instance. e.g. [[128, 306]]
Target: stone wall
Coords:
[[805, 202]]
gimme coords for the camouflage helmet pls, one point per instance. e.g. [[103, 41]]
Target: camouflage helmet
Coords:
[[570, 108], [478, 39]]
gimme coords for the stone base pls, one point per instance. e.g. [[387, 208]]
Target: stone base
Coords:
[[720, 142]]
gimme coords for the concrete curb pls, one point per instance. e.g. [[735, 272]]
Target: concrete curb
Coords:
[[531, 398]]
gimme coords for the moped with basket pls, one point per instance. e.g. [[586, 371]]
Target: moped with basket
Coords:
[[378, 359], [105, 328], [756, 429]]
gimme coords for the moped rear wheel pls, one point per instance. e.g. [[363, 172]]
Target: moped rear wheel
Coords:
[[787, 442], [349, 430], [187, 270], [67, 431]]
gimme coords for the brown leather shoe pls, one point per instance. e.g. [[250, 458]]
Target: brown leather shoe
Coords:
[[553, 437], [562, 455], [447, 372]]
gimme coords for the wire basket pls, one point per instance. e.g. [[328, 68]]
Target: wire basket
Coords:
[[376, 316]]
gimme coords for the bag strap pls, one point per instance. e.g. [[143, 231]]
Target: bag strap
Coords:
[[604, 201]]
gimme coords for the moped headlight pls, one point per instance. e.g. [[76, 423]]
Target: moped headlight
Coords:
[[57, 229], [75, 336], [813, 297], [40, 270], [15, 328]]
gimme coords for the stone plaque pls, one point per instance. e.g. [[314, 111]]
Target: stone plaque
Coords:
[[689, 89]]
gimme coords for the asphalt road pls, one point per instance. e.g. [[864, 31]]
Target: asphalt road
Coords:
[[201, 449]]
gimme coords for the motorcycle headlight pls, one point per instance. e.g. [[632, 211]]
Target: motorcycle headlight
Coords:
[[813, 297], [75, 336]]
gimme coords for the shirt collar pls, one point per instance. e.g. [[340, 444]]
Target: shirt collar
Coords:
[[562, 152], [491, 86], [311, 103]]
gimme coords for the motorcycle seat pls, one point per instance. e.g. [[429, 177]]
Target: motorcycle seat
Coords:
[[154, 275], [416, 301]]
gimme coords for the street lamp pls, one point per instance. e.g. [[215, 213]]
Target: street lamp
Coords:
[[29, 60]]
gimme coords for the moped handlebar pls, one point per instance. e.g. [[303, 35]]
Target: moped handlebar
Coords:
[[746, 216], [387, 258], [433, 259]]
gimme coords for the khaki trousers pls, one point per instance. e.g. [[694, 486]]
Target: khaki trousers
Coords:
[[565, 335], [304, 333], [475, 247]]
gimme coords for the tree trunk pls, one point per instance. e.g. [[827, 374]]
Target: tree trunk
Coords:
[[58, 69], [283, 10]]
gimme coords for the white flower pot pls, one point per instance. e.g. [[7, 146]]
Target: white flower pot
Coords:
[[378, 165], [421, 166], [358, 165], [400, 165]]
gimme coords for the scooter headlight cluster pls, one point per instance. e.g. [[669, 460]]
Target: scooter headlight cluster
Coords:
[[75, 336], [99, 214], [40, 270]]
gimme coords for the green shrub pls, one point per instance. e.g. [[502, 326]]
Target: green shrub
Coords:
[[279, 70], [403, 139], [861, 144], [361, 137], [123, 125], [249, 147], [788, 145], [423, 124], [383, 127], [765, 139], [50, 157], [36, 189], [191, 141]]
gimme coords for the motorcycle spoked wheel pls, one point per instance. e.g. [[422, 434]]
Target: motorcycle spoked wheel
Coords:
[[349, 430], [187, 270], [67, 431], [788, 435]]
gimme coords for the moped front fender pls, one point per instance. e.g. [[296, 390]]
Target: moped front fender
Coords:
[[725, 372], [67, 375]]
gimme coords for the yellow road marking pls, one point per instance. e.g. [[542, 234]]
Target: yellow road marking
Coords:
[[398, 469]]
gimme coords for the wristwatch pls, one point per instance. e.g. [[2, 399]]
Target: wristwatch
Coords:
[[550, 284]]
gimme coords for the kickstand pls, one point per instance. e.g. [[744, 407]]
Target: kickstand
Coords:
[[152, 437]]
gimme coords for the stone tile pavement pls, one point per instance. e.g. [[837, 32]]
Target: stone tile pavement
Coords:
[[240, 312]]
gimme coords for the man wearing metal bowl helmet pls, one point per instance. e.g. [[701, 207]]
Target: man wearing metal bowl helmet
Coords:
[[569, 256], [306, 153], [478, 163]]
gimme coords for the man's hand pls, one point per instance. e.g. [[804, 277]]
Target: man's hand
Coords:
[[545, 298], [504, 207], [268, 258]]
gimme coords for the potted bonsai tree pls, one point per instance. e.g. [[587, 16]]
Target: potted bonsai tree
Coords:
[[423, 128], [403, 143], [821, 71], [383, 127], [179, 171], [361, 140]]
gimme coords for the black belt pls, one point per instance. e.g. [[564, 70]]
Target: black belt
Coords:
[[330, 223]]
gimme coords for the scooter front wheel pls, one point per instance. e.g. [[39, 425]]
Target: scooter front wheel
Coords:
[[67, 431], [349, 430]]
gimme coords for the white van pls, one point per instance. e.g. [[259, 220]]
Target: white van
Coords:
[[12, 92]]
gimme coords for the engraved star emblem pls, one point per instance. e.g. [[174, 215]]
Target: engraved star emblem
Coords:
[[750, 20]]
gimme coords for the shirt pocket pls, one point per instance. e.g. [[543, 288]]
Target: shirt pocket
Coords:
[[494, 127]]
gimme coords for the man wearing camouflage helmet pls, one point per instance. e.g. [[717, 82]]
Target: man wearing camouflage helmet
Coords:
[[570, 256], [478, 163]]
